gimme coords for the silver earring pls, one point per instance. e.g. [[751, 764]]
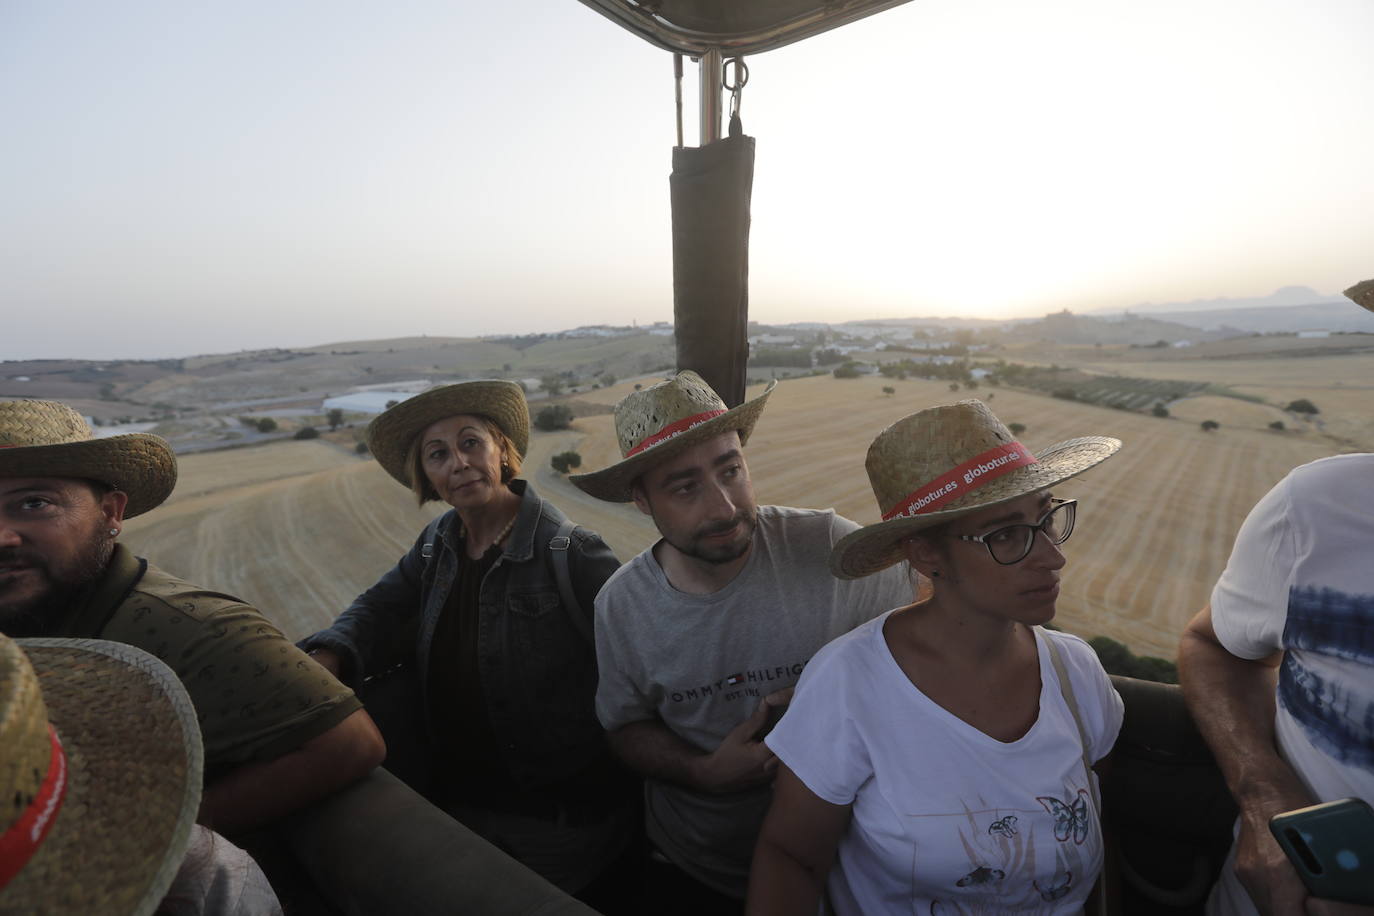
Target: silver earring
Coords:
[[114, 532]]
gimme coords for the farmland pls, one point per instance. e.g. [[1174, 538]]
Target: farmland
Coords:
[[299, 528]]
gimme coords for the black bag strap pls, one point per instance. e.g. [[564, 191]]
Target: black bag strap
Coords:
[[558, 551], [431, 533]]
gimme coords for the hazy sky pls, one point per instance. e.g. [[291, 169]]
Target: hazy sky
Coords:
[[180, 178]]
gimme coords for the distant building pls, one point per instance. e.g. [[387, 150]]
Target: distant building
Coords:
[[366, 401], [414, 386], [599, 330]]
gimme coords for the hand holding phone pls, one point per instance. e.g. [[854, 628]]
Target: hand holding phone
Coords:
[[1331, 846]]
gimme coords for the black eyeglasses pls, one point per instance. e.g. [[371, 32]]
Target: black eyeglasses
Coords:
[[1013, 543]]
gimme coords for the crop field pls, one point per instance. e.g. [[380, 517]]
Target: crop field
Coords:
[[299, 528]]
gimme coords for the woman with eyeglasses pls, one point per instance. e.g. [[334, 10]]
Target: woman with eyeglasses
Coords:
[[938, 759]]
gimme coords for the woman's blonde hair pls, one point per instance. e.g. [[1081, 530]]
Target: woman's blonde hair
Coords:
[[419, 480]]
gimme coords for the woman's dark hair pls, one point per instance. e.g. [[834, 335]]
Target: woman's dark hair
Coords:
[[419, 481]]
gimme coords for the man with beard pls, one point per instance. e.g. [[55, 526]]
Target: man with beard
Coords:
[[279, 731], [701, 637]]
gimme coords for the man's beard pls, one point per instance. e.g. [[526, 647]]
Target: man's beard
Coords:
[[722, 553], [37, 614]]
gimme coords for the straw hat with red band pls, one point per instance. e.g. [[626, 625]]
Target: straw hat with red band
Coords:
[[49, 439], [661, 422], [938, 464], [100, 777]]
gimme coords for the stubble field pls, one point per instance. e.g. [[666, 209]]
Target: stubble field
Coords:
[[299, 528]]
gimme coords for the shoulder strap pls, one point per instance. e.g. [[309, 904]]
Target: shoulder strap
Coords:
[[1066, 688], [558, 551], [431, 534]]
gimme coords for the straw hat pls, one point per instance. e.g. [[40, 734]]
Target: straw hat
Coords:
[[1362, 294], [943, 462], [49, 439], [662, 421], [391, 434], [100, 777]]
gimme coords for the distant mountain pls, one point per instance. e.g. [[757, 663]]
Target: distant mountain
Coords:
[[1328, 316], [1284, 296], [1067, 328]]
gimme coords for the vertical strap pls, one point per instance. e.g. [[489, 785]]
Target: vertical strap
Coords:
[[1066, 688], [558, 550]]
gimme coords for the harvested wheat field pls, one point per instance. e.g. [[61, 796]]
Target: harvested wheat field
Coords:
[[299, 528]]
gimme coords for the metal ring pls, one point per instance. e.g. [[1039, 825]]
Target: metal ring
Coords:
[[741, 74]]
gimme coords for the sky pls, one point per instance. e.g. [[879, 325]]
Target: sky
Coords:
[[182, 178]]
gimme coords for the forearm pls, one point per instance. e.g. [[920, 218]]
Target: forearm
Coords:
[[652, 749], [1232, 701], [258, 793]]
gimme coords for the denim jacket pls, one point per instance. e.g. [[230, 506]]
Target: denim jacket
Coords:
[[538, 668]]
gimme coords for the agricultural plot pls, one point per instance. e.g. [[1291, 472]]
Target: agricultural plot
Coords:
[[304, 536], [1342, 387], [1122, 392]]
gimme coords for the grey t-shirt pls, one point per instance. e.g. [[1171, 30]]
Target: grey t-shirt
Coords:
[[701, 663]]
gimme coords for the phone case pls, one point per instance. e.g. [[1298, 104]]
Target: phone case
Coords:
[[1332, 847]]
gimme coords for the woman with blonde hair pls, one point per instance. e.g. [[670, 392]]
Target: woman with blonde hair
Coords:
[[496, 598], [938, 759]]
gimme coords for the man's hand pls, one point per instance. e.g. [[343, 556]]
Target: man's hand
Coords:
[[742, 760]]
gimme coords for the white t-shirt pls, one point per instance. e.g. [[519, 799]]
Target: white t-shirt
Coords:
[[947, 819], [702, 663], [1301, 579]]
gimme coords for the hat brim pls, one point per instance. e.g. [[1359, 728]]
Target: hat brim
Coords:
[[1362, 294], [134, 780], [616, 483], [876, 547], [390, 436], [141, 465]]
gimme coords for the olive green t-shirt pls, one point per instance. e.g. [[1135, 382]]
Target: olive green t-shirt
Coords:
[[256, 695]]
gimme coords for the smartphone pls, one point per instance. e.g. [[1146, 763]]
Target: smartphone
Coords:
[[1332, 847]]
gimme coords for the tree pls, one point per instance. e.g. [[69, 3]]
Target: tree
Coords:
[[555, 416], [552, 384], [565, 461], [1159, 410], [889, 390], [307, 432], [392, 403], [953, 386], [266, 425], [1302, 405], [1016, 428], [1277, 425], [360, 448], [971, 384], [847, 370], [335, 418], [1209, 425]]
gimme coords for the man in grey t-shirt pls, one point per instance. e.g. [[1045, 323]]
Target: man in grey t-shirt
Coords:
[[700, 638]]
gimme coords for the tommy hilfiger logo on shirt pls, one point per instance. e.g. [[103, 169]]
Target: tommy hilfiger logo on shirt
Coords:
[[771, 678]]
